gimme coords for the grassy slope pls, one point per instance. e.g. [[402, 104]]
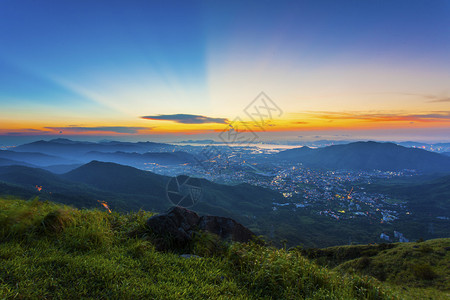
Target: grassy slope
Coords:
[[421, 269], [54, 251]]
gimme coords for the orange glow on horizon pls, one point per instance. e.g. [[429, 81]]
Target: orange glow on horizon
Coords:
[[313, 120]]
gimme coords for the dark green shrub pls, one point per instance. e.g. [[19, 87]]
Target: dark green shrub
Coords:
[[56, 221], [206, 244], [363, 262], [140, 248], [369, 252], [425, 249], [424, 272], [379, 272]]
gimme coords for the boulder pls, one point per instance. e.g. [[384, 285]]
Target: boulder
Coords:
[[226, 228], [179, 225], [176, 224]]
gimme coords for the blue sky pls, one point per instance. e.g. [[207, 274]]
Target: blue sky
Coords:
[[108, 63]]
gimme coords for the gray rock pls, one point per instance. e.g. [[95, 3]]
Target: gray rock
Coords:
[[226, 228], [179, 225]]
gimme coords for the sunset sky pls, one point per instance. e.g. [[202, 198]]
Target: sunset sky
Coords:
[[177, 70]]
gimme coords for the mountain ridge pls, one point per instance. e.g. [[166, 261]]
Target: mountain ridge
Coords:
[[368, 156]]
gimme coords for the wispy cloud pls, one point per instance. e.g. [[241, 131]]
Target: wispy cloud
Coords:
[[434, 116], [113, 129], [430, 98], [427, 97], [441, 100], [187, 119]]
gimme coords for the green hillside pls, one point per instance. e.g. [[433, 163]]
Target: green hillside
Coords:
[[129, 189], [421, 270], [54, 251]]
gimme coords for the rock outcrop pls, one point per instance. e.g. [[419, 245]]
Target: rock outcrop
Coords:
[[226, 228], [179, 225]]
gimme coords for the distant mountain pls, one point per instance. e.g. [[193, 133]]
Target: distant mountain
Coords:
[[10, 162], [118, 178], [199, 142], [69, 148], [8, 189], [217, 198], [368, 156], [85, 185], [33, 158], [66, 141], [62, 153], [323, 143], [138, 159], [59, 189], [61, 169], [58, 169], [30, 177], [127, 188], [295, 154]]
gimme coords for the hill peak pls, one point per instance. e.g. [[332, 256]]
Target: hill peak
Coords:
[[370, 155], [95, 164]]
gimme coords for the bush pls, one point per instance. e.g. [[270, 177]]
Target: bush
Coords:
[[423, 272], [56, 221], [425, 249], [363, 262], [140, 248], [93, 231], [207, 244]]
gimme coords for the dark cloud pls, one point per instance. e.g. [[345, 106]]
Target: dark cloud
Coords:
[[187, 119], [115, 129], [26, 131]]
